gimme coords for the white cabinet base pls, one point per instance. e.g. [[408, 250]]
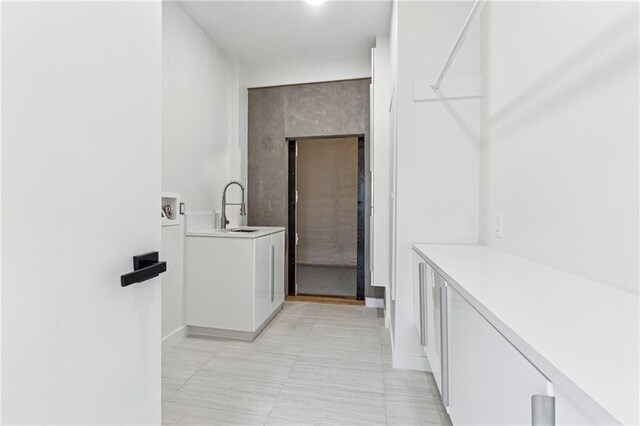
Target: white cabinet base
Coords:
[[249, 336], [234, 284]]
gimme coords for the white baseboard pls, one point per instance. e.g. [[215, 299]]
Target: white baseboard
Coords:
[[387, 317], [174, 337], [411, 362], [372, 302], [407, 362], [247, 336]]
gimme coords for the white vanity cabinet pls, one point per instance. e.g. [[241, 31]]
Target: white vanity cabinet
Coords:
[[234, 280], [490, 382]]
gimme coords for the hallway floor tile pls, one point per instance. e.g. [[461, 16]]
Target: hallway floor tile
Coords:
[[314, 364]]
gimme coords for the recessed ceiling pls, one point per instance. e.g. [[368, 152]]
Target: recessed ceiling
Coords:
[[256, 32]]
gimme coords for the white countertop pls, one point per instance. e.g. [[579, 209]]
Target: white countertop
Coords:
[[581, 334], [261, 231]]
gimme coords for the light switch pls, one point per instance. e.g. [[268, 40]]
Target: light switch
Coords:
[[498, 226]]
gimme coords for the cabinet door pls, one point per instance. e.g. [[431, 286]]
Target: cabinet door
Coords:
[[277, 285], [570, 413], [490, 381], [434, 285], [418, 304], [262, 281]]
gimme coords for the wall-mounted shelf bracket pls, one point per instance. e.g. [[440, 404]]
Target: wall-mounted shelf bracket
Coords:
[[473, 15], [462, 86]]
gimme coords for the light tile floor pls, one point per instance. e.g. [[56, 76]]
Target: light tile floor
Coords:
[[314, 364]]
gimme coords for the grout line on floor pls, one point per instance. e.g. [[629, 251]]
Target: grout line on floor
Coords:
[[297, 357], [197, 371], [314, 320]]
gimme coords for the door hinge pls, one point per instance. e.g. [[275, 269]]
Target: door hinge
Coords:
[[297, 238], [297, 196]]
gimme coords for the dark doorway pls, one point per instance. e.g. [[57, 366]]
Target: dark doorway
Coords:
[[326, 216]]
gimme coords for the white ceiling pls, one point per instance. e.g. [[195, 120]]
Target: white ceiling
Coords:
[[257, 32]]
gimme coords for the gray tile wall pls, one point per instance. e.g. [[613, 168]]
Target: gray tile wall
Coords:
[[317, 109]]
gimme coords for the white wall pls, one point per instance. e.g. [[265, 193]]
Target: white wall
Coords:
[[196, 96], [437, 153], [560, 135], [81, 112], [281, 73], [204, 137], [238, 124]]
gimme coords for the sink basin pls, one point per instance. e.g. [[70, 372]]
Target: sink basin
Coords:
[[243, 230]]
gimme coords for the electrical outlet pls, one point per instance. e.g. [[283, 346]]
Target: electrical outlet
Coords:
[[498, 226]]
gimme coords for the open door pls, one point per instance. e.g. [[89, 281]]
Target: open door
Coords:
[[326, 217], [81, 145]]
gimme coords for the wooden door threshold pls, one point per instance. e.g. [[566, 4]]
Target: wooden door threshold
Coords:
[[337, 300]]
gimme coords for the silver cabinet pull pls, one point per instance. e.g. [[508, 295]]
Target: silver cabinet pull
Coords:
[[273, 296], [423, 305], [543, 410], [444, 343]]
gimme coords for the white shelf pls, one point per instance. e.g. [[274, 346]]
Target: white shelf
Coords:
[[171, 199]]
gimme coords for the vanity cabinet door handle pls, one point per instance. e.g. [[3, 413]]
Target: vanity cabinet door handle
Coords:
[[272, 274]]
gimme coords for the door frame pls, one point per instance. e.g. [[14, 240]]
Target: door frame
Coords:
[[292, 206]]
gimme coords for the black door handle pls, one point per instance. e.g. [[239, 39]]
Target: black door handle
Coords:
[[145, 267]]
